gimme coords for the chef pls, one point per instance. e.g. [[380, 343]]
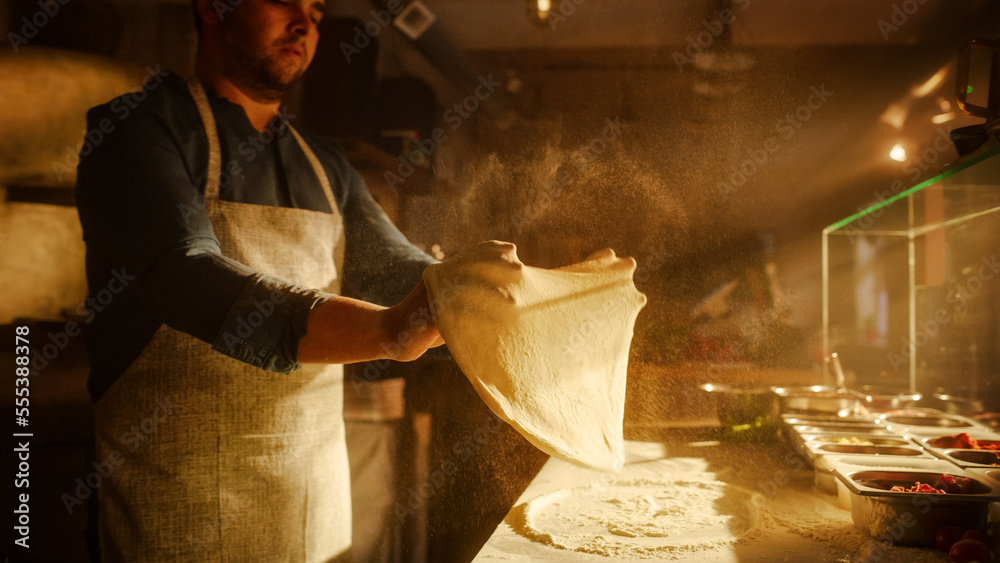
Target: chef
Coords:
[[226, 236]]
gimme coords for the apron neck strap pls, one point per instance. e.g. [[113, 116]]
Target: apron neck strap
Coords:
[[213, 178], [214, 152]]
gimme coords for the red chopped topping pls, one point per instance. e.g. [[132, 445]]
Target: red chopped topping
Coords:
[[965, 442], [917, 488], [950, 485], [958, 441]]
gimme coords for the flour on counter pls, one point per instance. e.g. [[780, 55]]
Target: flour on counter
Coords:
[[642, 518], [696, 519]]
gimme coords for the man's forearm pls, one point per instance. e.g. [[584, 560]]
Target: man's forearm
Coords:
[[342, 330]]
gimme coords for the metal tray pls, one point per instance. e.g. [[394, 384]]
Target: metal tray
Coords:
[[814, 451], [818, 399], [826, 482], [913, 518], [882, 399], [978, 434], [871, 429], [929, 423], [875, 439], [801, 435], [820, 419], [744, 411], [990, 476], [973, 458], [818, 449]]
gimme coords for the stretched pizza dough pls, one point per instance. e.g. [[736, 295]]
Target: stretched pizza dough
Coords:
[[547, 350]]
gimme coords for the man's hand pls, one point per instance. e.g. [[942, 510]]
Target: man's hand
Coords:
[[410, 326]]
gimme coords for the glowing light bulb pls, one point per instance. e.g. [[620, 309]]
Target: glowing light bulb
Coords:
[[898, 153], [539, 10]]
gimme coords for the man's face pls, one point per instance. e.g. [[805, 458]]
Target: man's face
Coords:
[[270, 43]]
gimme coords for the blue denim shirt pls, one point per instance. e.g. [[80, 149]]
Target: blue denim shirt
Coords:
[[152, 255]]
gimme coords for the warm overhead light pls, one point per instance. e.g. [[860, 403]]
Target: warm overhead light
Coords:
[[943, 118], [898, 153], [539, 10], [943, 103], [932, 83]]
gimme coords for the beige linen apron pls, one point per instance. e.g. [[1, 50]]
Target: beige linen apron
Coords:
[[218, 460]]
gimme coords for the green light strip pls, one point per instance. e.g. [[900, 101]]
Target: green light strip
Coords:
[[916, 188]]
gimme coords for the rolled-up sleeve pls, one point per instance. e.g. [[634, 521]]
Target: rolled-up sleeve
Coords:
[[265, 323]]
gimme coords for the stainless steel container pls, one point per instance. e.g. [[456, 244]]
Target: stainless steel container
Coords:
[[848, 438], [871, 429], [868, 450], [893, 446], [807, 443], [983, 436], [826, 482], [818, 399], [990, 476], [745, 412], [881, 399], [821, 419], [928, 424], [973, 458], [912, 519]]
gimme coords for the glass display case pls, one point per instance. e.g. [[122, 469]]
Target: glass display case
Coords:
[[911, 287]]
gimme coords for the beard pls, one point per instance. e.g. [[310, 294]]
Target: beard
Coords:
[[262, 71]]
